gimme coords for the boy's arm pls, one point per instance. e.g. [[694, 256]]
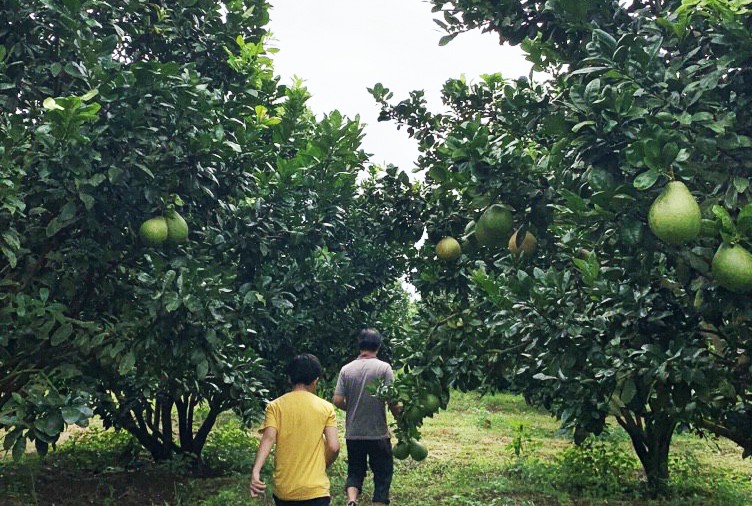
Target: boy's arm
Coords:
[[268, 439], [332, 445]]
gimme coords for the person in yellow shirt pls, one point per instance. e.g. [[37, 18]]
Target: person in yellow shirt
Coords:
[[304, 428]]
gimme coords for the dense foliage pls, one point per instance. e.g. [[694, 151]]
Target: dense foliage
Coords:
[[115, 112], [603, 321]]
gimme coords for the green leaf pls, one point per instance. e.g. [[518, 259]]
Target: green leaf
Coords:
[[51, 105], [62, 333], [646, 179], [127, 363], [744, 221], [628, 391], [446, 39], [89, 95], [71, 414], [723, 216], [171, 301], [19, 448], [582, 124], [741, 184]]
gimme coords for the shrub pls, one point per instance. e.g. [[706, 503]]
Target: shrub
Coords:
[[97, 449], [599, 466], [230, 449]]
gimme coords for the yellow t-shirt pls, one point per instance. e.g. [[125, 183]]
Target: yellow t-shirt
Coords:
[[300, 465]]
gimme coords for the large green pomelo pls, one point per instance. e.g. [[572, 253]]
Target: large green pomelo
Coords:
[[448, 249], [528, 246], [732, 268], [494, 226], [417, 451], [177, 228], [401, 450], [675, 216], [431, 403], [154, 231]]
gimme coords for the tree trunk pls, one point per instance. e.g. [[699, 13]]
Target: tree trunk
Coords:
[[651, 438]]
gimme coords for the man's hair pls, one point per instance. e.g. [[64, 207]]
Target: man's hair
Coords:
[[369, 340], [304, 369]]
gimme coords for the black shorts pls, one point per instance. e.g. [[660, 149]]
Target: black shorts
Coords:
[[376, 453], [319, 501]]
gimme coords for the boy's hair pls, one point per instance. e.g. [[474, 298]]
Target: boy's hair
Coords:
[[304, 369], [369, 340]]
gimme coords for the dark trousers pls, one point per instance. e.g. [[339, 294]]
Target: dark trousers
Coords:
[[319, 501], [378, 454]]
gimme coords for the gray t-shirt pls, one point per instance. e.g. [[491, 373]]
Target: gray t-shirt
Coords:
[[366, 414]]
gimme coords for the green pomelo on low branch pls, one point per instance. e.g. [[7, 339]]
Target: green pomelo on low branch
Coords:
[[732, 268], [413, 415], [494, 225], [154, 231], [401, 450], [431, 403], [417, 451], [675, 216], [448, 249], [528, 246], [177, 228]]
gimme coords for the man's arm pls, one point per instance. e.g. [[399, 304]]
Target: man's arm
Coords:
[[395, 408], [268, 439], [339, 401], [332, 445]]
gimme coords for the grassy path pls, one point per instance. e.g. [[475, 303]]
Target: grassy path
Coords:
[[472, 462]]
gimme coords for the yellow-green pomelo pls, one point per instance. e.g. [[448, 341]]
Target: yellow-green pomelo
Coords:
[[675, 216], [494, 225], [528, 246], [177, 228], [417, 451], [448, 249], [431, 403], [154, 231], [401, 450], [732, 268]]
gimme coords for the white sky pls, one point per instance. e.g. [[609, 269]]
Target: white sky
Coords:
[[341, 47]]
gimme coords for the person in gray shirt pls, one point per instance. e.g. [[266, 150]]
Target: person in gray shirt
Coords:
[[366, 430]]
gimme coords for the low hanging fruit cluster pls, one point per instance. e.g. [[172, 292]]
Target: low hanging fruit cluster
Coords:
[[675, 218], [492, 230], [171, 228], [412, 416]]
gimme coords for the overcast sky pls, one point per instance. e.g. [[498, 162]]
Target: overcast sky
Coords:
[[341, 47]]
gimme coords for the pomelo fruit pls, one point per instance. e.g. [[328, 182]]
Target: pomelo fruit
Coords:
[[417, 451], [401, 450], [177, 228], [494, 225], [414, 415], [431, 403], [448, 249], [528, 246], [154, 231], [675, 216], [732, 268]]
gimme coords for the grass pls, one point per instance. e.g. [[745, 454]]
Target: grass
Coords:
[[483, 451]]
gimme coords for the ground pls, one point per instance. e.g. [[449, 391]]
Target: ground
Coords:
[[493, 450]]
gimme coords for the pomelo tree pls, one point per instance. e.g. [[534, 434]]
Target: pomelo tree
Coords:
[[602, 322], [116, 113]]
